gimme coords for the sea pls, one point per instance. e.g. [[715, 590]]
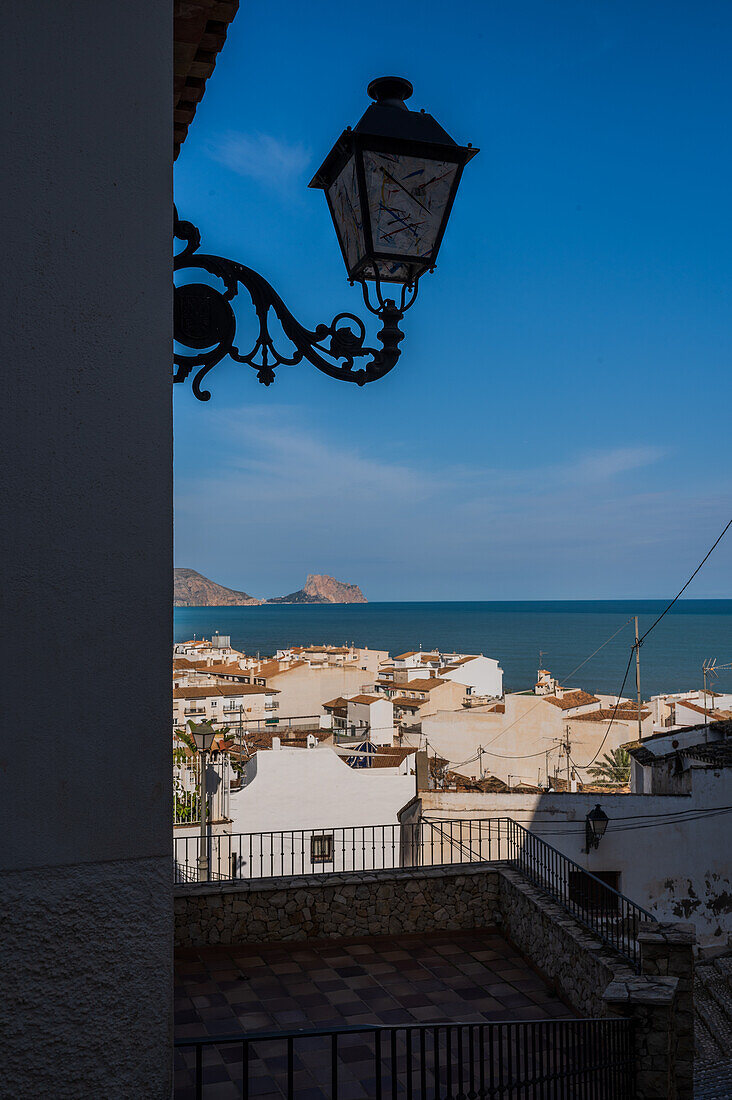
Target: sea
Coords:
[[522, 635]]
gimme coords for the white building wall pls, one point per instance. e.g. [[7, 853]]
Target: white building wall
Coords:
[[305, 791], [482, 674], [377, 717], [675, 866]]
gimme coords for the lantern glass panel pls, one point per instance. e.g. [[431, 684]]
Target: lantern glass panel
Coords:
[[346, 211], [407, 200]]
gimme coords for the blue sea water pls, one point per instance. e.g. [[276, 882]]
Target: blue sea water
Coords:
[[514, 632]]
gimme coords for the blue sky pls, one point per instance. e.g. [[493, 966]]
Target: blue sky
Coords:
[[557, 426]]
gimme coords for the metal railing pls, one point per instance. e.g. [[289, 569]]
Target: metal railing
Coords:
[[240, 856], [606, 912], [561, 1059]]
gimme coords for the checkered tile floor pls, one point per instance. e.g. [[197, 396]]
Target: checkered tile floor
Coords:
[[466, 976]]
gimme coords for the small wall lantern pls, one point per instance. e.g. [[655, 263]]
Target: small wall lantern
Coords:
[[595, 826]]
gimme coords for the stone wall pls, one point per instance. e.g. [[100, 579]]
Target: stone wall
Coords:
[[570, 958], [667, 950], [597, 982], [365, 903]]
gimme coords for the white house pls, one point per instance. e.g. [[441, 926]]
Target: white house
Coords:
[[304, 810], [523, 737], [373, 714], [223, 704], [482, 676]]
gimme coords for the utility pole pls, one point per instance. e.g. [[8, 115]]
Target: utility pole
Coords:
[[637, 679], [567, 749]]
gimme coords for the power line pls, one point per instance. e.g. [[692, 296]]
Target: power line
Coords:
[[598, 649], [539, 701], [584, 767], [636, 647], [682, 590]]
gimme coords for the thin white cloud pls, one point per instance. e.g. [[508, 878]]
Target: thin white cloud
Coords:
[[284, 498], [602, 465], [261, 157]]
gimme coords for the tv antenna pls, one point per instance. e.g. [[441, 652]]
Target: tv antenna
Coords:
[[711, 671]]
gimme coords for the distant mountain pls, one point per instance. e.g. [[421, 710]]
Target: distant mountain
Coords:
[[322, 589], [192, 589]]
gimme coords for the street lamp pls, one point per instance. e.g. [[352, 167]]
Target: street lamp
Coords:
[[595, 826], [203, 735], [390, 183]]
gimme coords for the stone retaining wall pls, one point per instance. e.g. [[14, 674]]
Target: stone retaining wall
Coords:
[[364, 903], [573, 960]]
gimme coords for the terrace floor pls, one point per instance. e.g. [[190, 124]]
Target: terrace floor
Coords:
[[466, 976]]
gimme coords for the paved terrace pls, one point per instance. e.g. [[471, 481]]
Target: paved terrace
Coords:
[[451, 944], [471, 976]]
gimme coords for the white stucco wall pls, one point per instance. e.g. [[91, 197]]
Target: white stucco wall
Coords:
[[85, 511], [378, 717], [482, 674], [306, 790], [678, 869]]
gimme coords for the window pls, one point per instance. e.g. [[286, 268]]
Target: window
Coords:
[[321, 849], [591, 895]]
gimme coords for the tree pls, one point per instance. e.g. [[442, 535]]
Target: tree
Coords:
[[613, 770]]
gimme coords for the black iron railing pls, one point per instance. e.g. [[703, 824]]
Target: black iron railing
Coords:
[[425, 843], [605, 911], [238, 856], [557, 1059]]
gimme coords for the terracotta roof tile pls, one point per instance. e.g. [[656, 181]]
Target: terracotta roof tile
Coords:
[[571, 699], [205, 691]]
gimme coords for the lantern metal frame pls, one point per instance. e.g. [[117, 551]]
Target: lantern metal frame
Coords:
[[205, 324], [203, 735], [389, 127]]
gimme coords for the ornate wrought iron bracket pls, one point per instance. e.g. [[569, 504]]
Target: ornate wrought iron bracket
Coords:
[[205, 323]]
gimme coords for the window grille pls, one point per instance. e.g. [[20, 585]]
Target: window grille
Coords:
[[321, 848]]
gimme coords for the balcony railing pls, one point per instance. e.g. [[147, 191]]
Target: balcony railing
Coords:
[[534, 1060], [246, 856]]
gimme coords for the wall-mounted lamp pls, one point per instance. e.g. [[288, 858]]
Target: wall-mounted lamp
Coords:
[[595, 826], [390, 183]]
